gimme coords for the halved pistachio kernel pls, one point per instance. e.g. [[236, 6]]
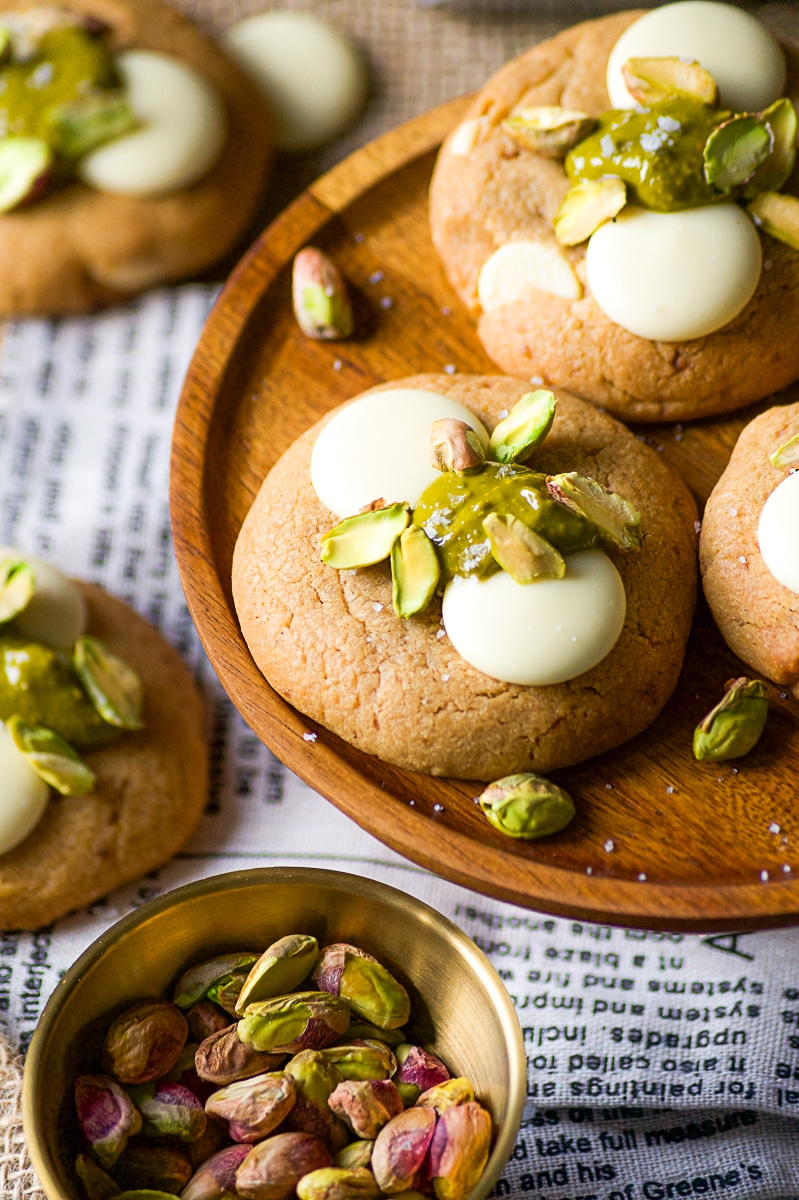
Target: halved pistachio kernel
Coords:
[[777, 214], [414, 571], [25, 164], [735, 149], [526, 806], [787, 455], [778, 166], [194, 983], [731, 729], [520, 551], [17, 585], [525, 427], [82, 125], [113, 687], [366, 538], [454, 446], [617, 521], [586, 206], [650, 80], [52, 758], [548, 130]]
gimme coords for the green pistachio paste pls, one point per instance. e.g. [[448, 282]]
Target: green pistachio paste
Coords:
[[70, 64], [39, 685], [656, 150], [451, 512]]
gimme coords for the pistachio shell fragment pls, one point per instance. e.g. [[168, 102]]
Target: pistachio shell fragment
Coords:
[[52, 758], [777, 214], [113, 687], [548, 130], [526, 806], [281, 967], [366, 538], [300, 1021], [775, 170], [732, 728], [735, 149], [84, 124], [459, 1150], [319, 296], [586, 206], [618, 522], [787, 455], [414, 571], [650, 80], [454, 446], [17, 585], [194, 983], [516, 436], [520, 551]]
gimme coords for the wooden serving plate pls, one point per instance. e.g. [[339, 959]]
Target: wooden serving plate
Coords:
[[659, 841]]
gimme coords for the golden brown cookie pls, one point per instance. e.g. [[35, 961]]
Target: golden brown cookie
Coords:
[[151, 788], [758, 617], [497, 193], [77, 248], [330, 643]]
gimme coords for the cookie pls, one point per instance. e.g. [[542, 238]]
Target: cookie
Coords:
[[488, 192], [756, 613], [330, 643], [151, 787], [77, 248]]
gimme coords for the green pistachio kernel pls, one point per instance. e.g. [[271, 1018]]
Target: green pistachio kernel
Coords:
[[113, 687], [17, 585], [527, 424], [735, 149], [775, 170], [787, 455], [82, 124], [522, 552], [414, 571], [586, 206], [548, 130], [652, 80], [777, 214], [616, 519], [366, 538], [732, 728], [526, 806], [52, 758]]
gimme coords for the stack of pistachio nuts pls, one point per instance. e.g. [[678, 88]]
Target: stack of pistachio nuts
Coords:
[[242, 1086]]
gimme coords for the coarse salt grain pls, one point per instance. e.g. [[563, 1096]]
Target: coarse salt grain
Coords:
[[764, 876], [609, 846], [309, 737], [441, 633], [742, 559], [445, 678], [697, 526], [450, 369], [438, 808], [446, 310], [536, 379], [733, 512], [503, 412], [337, 365], [786, 868], [641, 876], [670, 788], [376, 277], [359, 238], [386, 302], [377, 606], [589, 870], [608, 787], [774, 827]]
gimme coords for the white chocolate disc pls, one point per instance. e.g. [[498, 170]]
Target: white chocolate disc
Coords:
[[778, 532], [56, 614], [311, 73], [745, 60], [23, 797], [519, 269], [467, 136], [538, 633], [182, 131], [674, 276], [378, 447]]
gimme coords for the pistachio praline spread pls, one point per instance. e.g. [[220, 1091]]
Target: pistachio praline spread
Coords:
[[330, 643]]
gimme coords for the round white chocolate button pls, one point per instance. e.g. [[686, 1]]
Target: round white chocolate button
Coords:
[[378, 447], [674, 276], [517, 270], [23, 796], [745, 60], [538, 633], [778, 532], [56, 614], [182, 129], [311, 73]]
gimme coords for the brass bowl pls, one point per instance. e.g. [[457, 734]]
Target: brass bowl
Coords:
[[460, 1007]]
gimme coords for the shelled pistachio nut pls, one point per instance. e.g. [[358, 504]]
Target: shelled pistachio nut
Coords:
[[527, 806], [107, 1117], [194, 983], [454, 446], [786, 455], [366, 1105], [548, 130], [777, 214], [52, 758], [368, 988], [417, 1071], [338, 1183], [169, 1110], [253, 1107], [113, 687], [617, 520], [400, 1149], [516, 436], [274, 1167], [364, 1059], [650, 80], [299, 1021], [153, 1166], [223, 1058], [315, 1078], [354, 1154], [734, 151], [444, 1095], [17, 585], [281, 967], [144, 1042], [778, 167], [520, 551], [215, 1179], [586, 206], [415, 571], [319, 296], [459, 1150], [366, 538], [733, 727]]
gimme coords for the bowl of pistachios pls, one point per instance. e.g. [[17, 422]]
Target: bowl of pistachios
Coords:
[[276, 1034]]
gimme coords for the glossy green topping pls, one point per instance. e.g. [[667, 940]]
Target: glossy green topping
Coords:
[[452, 510], [657, 150], [39, 685]]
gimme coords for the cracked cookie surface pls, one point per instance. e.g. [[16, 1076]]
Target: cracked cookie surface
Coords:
[[329, 642]]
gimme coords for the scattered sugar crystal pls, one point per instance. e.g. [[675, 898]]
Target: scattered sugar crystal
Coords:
[[641, 876], [774, 827], [309, 737], [764, 876], [735, 770], [337, 365], [376, 277], [377, 606], [609, 846], [450, 369], [386, 302]]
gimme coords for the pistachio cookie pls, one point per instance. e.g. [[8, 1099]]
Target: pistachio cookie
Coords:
[[532, 586], [102, 747], [749, 547], [134, 152], [618, 209]]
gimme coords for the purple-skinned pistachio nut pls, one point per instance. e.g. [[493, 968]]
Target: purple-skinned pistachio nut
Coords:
[[212, 1141], [274, 1167], [319, 296], [362, 1058], [338, 1183], [170, 1110], [155, 1166], [417, 1071], [300, 1021], [145, 1041], [459, 1150], [366, 1105], [400, 1150], [223, 1058], [216, 1177], [106, 1115], [97, 1184], [205, 1019], [254, 1107], [354, 1154], [316, 1078], [448, 1094], [372, 992]]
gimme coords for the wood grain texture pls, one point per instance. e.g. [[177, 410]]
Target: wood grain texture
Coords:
[[699, 833]]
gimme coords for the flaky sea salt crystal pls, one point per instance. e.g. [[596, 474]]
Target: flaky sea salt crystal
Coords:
[[641, 876], [450, 369], [377, 606], [376, 277], [310, 737], [774, 827], [764, 876], [609, 846]]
